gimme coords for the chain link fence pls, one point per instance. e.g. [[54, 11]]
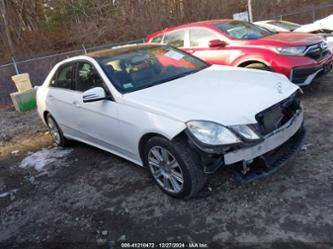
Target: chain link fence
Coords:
[[38, 68], [307, 14]]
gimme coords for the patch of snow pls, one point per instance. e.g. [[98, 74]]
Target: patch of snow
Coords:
[[122, 237], [3, 195], [306, 146], [40, 160]]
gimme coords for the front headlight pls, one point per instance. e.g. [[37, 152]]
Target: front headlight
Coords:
[[245, 131], [291, 50], [211, 133]]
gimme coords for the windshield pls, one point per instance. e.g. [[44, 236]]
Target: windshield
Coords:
[[286, 25], [242, 30], [147, 67]]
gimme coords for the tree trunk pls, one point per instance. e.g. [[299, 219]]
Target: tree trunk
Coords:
[[3, 12]]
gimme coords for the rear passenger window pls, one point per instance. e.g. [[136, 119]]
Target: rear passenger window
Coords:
[[64, 77], [157, 39], [175, 38], [87, 77], [201, 37]]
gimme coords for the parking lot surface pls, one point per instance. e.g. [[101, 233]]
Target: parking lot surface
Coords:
[[87, 196]]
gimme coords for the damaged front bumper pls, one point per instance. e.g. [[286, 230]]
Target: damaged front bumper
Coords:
[[263, 158], [269, 162], [304, 76], [270, 142]]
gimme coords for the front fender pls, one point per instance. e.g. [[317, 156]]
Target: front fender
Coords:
[[253, 54], [136, 123]]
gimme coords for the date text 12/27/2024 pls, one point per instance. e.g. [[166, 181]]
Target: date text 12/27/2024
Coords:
[[163, 245]]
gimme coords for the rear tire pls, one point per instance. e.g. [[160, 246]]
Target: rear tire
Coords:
[[174, 167], [56, 132], [259, 66]]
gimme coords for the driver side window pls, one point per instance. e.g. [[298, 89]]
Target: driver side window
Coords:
[[87, 77], [64, 77]]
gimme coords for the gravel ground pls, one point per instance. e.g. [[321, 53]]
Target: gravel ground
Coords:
[[86, 196]]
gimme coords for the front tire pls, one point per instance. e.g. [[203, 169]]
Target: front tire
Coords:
[[174, 167], [56, 132]]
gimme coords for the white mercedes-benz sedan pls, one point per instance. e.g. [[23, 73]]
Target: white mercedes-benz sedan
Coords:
[[174, 114]]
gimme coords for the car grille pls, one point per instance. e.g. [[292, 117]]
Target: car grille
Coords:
[[299, 75], [317, 51], [277, 115]]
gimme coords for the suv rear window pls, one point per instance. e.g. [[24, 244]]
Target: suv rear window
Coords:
[[157, 39], [175, 38]]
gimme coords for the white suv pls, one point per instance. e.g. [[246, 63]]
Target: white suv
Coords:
[[166, 110]]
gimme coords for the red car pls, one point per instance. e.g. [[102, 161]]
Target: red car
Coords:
[[302, 57]]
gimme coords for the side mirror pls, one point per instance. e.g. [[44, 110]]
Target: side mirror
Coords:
[[216, 43], [94, 94]]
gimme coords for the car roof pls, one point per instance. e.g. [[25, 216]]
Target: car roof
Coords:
[[120, 50], [274, 20], [216, 21], [204, 23], [265, 21], [189, 25]]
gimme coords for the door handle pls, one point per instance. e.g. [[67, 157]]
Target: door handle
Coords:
[[190, 51], [51, 96]]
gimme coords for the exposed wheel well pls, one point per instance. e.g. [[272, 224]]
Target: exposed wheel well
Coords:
[[246, 63], [44, 115], [148, 136], [143, 142]]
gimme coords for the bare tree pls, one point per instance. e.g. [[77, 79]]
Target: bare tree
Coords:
[[5, 27]]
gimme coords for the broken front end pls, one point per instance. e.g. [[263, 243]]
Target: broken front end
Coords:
[[281, 134]]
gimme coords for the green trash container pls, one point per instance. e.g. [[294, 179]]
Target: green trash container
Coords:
[[24, 101]]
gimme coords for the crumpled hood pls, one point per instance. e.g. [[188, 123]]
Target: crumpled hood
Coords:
[[310, 27], [327, 22], [226, 95]]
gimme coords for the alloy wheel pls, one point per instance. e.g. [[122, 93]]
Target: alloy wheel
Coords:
[[165, 169], [54, 130]]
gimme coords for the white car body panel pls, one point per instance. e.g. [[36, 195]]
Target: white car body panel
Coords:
[[271, 27], [329, 41], [312, 27], [221, 94], [323, 24], [326, 22]]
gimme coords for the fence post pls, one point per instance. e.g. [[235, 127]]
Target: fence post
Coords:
[[313, 13], [84, 49], [15, 66], [249, 9]]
